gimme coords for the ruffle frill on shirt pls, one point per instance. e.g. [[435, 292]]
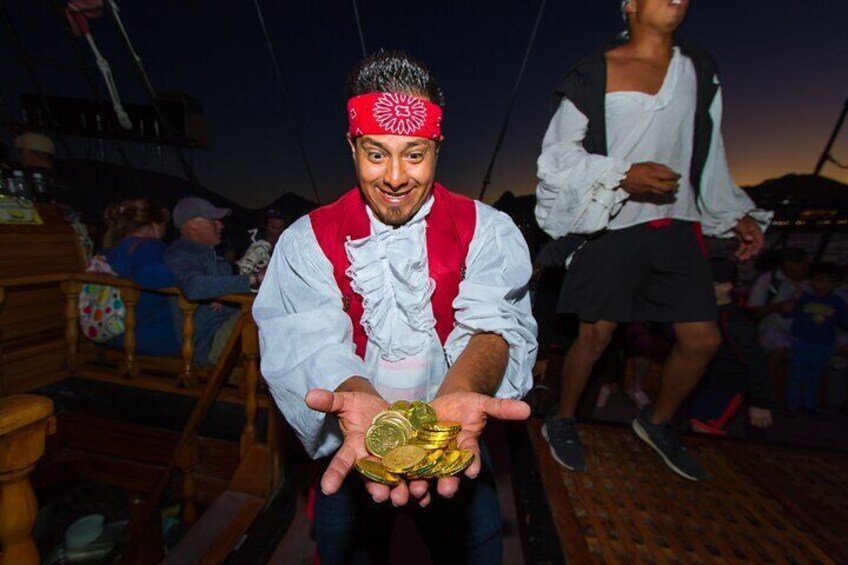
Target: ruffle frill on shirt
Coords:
[[389, 270]]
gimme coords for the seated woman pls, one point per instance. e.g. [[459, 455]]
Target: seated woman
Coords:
[[134, 248]]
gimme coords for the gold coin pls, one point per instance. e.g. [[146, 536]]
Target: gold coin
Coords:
[[443, 426], [396, 418], [466, 457], [402, 459], [372, 469], [436, 435], [429, 445], [385, 436], [401, 406], [427, 464], [447, 462], [421, 414]]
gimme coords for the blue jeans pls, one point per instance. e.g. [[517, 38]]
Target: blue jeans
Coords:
[[350, 528], [809, 361]]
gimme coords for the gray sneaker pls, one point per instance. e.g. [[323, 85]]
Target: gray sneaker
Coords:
[[561, 435], [665, 440]]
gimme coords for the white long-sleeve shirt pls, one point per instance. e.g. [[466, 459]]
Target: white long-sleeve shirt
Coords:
[[306, 339], [581, 193]]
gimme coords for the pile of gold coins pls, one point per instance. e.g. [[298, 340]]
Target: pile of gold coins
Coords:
[[409, 441]]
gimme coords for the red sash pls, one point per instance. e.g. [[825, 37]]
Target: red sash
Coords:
[[450, 227]]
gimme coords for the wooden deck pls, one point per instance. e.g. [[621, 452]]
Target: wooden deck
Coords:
[[763, 504]]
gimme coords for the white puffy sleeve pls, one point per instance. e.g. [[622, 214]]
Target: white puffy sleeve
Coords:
[[305, 338], [578, 192], [494, 298], [721, 202]]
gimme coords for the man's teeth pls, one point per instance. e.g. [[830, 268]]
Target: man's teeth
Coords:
[[673, 2]]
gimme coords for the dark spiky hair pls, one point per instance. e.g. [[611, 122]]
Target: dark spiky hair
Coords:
[[394, 71]]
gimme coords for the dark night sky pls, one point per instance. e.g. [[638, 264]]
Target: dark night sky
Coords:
[[784, 66]]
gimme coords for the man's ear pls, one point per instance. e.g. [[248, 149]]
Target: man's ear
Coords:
[[439, 144], [352, 143], [630, 7]]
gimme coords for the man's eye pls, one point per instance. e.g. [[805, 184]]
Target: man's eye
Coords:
[[415, 157], [374, 156]]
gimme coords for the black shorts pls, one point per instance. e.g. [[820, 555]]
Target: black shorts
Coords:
[[641, 273]]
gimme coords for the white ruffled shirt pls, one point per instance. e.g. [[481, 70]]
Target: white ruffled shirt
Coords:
[[306, 338], [581, 193]]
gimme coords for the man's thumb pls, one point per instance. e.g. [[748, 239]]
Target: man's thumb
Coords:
[[505, 409], [322, 400]]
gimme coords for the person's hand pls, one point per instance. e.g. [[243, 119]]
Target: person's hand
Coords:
[[760, 417], [650, 179], [355, 407], [216, 306], [750, 238], [472, 410]]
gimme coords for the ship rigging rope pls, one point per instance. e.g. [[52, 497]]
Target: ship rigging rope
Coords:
[[285, 96], [359, 28], [488, 177]]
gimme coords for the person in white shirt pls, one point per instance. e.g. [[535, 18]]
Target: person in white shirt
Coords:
[[398, 290], [632, 169]]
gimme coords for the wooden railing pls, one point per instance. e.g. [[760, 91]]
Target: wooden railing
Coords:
[[186, 373]]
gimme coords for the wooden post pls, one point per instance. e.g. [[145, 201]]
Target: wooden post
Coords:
[[187, 464], [130, 367], [25, 420], [250, 353], [187, 377], [71, 291]]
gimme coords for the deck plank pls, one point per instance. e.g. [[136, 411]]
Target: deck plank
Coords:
[[762, 504]]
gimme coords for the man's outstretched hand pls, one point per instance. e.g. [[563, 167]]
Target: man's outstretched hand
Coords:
[[355, 404], [472, 410]]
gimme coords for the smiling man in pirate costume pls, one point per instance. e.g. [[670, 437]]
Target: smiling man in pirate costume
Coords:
[[400, 289], [632, 169]]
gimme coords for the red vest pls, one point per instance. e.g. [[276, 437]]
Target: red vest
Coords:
[[450, 227]]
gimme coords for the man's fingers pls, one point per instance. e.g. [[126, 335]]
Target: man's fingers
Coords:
[[470, 443], [505, 409], [448, 486], [325, 401], [399, 494], [338, 469], [419, 489], [379, 493]]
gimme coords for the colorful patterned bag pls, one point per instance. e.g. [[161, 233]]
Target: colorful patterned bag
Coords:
[[101, 309]]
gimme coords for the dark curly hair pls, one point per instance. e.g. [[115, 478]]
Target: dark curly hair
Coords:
[[394, 71]]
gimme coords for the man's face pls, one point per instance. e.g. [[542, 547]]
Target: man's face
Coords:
[[203, 230], [274, 229], [396, 174], [796, 271], [663, 15]]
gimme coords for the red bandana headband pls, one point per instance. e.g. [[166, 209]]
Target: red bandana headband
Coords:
[[393, 113]]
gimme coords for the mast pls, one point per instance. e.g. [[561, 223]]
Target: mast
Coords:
[[825, 156]]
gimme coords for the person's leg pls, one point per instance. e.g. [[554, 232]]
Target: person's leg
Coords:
[[592, 340], [695, 346], [349, 528], [819, 358], [222, 335], [468, 527]]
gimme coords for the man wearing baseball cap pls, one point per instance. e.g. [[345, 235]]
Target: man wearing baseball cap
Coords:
[[203, 276], [35, 151]]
